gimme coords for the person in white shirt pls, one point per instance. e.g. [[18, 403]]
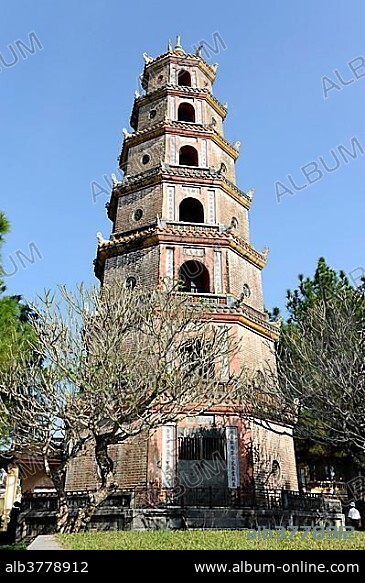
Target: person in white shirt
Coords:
[[354, 516]]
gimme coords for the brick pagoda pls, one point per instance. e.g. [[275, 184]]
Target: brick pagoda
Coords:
[[178, 215]]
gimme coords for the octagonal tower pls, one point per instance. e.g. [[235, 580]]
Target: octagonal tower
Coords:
[[178, 215]]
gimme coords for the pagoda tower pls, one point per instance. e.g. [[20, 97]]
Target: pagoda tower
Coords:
[[178, 215]]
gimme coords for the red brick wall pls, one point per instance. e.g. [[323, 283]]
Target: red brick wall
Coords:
[[141, 264], [269, 445], [149, 200], [130, 459]]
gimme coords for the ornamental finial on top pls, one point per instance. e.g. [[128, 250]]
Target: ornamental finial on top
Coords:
[[178, 48]]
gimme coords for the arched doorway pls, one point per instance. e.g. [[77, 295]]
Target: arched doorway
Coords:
[[188, 156], [191, 210], [194, 277], [184, 78], [186, 112]]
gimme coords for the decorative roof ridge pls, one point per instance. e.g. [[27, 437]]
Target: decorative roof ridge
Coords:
[[179, 54], [208, 128], [184, 89], [129, 236], [247, 311], [165, 89], [189, 171], [165, 227]]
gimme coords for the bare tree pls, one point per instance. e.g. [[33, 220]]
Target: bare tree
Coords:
[[111, 364], [321, 365]]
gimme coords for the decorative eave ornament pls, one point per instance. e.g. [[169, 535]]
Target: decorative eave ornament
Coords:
[[126, 133], [101, 240], [265, 252], [147, 58]]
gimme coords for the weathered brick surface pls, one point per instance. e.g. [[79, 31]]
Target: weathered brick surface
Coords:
[[141, 264], [167, 74], [152, 113], [153, 200], [269, 446], [228, 209], [154, 148], [257, 352], [217, 156], [130, 466], [148, 199], [240, 273], [131, 462], [158, 77], [210, 116], [209, 153]]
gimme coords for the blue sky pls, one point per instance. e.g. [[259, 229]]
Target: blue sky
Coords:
[[63, 109]]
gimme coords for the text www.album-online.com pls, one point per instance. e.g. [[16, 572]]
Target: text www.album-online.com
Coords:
[[300, 567]]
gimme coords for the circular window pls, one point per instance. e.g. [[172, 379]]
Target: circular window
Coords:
[[146, 158], [131, 282], [153, 113], [138, 214], [246, 292]]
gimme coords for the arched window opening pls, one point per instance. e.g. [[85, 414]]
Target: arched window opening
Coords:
[[188, 156], [191, 210], [186, 112], [246, 291], [184, 78], [194, 277], [131, 282], [275, 469], [275, 474]]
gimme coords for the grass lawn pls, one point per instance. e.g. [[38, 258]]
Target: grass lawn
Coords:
[[14, 547], [204, 540]]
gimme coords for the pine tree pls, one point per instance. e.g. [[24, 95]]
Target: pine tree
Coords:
[[15, 327], [321, 364], [326, 285]]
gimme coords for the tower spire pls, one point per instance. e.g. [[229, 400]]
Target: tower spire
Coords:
[[178, 48]]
